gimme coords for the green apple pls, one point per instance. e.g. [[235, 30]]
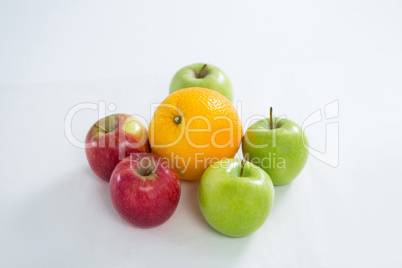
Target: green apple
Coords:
[[235, 196], [278, 146], [202, 75]]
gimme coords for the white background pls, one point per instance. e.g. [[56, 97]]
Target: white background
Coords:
[[296, 56]]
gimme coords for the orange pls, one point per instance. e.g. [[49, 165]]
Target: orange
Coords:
[[193, 128]]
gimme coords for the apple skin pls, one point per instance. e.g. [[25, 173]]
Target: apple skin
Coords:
[[212, 77], [283, 156], [234, 205], [124, 135], [141, 199]]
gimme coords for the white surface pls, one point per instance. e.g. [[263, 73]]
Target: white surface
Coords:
[[297, 56]]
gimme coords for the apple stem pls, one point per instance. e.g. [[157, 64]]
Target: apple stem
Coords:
[[270, 115], [242, 167], [98, 126], [202, 69]]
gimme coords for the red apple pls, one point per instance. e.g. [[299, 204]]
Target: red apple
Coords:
[[145, 189], [113, 138]]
